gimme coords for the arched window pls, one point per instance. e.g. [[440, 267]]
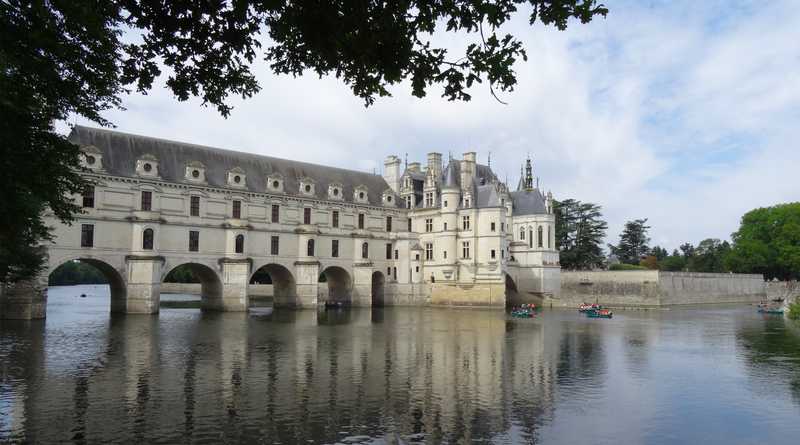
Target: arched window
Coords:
[[522, 233], [310, 250], [365, 250], [541, 237], [147, 239], [239, 243], [530, 237]]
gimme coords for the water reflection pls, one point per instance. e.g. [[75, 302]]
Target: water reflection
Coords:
[[392, 375]]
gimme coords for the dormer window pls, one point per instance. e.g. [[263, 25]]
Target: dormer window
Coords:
[[195, 172], [147, 165], [307, 187], [275, 183], [92, 157], [237, 178], [361, 194], [335, 191], [388, 198]]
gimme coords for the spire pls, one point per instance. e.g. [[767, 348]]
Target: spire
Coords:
[[528, 175]]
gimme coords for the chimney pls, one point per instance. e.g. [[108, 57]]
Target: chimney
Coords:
[[467, 169], [413, 167], [391, 172], [435, 163]]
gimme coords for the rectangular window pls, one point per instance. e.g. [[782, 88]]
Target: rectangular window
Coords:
[[88, 197], [445, 203], [429, 225], [276, 213], [335, 248], [388, 223], [389, 271], [416, 269], [465, 250], [502, 227], [493, 254], [465, 222], [416, 257], [428, 251], [396, 254], [409, 224], [237, 209], [394, 273], [360, 220], [194, 241], [87, 235], [444, 254], [194, 206], [147, 201], [445, 225], [389, 251], [492, 227], [335, 218], [274, 245], [307, 215]]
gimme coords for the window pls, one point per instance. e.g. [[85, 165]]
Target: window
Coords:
[[429, 225], [396, 254], [360, 220], [87, 235], [276, 213], [147, 201], [310, 248], [194, 206], [388, 251], [88, 197], [493, 255], [444, 254], [274, 245], [388, 223], [502, 227], [335, 218], [147, 239], [365, 250], [466, 202], [445, 204], [492, 226], [522, 233], [465, 250], [502, 253], [335, 248], [540, 236], [465, 222], [416, 257], [428, 251], [239, 244], [409, 224], [194, 241], [394, 273], [445, 225], [408, 202], [416, 269], [389, 271], [548, 237], [237, 209], [307, 215], [429, 199], [530, 237]]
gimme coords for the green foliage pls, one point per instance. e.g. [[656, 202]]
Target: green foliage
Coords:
[[68, 58], [768, 243], [794, 311], [649, 262], [579, 234], [624, 266], [709, 256], [182, 274], [76, 272], [659, 252], [632, 242], [673, 263]]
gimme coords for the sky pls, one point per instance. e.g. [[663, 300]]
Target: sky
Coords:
[[682, 112]]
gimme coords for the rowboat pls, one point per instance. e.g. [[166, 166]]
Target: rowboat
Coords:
[[599, 313], [523, 313], [770, 310], [589, 307]]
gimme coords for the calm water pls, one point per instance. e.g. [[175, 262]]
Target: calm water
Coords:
[[397, 375]]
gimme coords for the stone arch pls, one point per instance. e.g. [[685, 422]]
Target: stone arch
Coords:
[[284, 286], [210, 282], [513, 297], [378, 284], [340, 284], [116, 280]]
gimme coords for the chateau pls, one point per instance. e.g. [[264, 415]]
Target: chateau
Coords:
[[446, 233]]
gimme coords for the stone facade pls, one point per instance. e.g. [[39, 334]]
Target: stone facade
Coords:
[[444, 234]]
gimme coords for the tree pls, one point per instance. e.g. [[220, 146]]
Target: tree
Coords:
[[768, 242], [673, 263], [632, 242], [649, 262], [659, 252], [579, 234], [64, 58], [709, 256]]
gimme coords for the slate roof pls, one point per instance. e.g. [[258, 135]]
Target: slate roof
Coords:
[[120, 152], [527, 202]]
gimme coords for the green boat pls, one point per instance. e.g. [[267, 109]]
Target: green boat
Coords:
[[599, 313], [522, 313], [778, 311]]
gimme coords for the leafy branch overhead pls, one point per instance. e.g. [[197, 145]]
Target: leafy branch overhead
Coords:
[[370, 45]]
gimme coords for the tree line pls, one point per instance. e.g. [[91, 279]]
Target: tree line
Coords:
[[767, 243]]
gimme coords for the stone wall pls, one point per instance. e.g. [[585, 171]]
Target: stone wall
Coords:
[[490, 295], [783, 289], [254, 290], [654, 288]]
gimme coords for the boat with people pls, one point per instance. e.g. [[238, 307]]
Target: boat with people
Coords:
[[599, 313], [770, 310], [335, 304], [585, 307], [524, 311]]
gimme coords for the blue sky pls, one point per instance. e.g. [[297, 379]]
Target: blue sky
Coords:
[[683, 112]]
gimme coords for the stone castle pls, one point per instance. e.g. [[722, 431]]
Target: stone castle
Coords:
[[440, 234]]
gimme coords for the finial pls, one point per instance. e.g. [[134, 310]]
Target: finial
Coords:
[[489, 161], [406, 160]]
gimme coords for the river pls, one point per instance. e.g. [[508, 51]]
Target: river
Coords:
[[712, 375]]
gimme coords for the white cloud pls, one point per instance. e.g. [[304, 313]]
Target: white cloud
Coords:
[[682, 112]]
